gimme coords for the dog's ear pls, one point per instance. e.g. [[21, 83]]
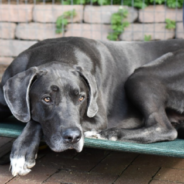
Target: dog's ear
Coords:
[[16, 93], [92, 106]]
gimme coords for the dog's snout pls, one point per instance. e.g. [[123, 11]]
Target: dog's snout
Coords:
[[72, 135]]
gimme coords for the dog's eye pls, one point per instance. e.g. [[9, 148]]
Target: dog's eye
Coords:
[[76, 92], [47, 99], [81, 98]]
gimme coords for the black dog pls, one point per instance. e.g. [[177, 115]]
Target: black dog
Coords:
[[70, 87]]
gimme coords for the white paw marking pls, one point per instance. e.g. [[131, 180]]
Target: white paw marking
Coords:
[[20, 167], [30, 165], [93, 134], [145, 133], [158, 129], [113, 139], [90, 133]]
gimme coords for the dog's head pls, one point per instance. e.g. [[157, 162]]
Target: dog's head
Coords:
[[56, 96]]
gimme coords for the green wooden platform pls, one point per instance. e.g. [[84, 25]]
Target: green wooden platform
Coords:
[[175, 148]]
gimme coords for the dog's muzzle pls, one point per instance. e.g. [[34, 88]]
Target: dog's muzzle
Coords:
[[72, 135], [69, 138]]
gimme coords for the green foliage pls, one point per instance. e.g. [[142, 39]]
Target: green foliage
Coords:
[[62, 21], [157, 1], [133, 3], [174, 3], [147, 38], [118, 24], [69, 2], [170, 24], [169, 3], [136, 3]]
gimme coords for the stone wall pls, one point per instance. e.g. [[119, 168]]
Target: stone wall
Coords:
[[23, 25]]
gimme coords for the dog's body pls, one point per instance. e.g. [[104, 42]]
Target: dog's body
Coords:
[[64, 87]]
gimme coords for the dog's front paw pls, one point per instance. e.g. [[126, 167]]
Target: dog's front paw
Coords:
[[20, 166], [110, 134], [22, 159], [92, 134]]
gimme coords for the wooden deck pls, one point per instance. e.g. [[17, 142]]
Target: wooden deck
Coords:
[[97, 166]]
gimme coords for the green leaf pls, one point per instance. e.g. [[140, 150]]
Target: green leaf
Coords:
[[117, 23], [112, 36], [58, 31], [174, 3], [158, 1], [62, 21], [114, 27], [126, 24], [170, 24], [65, 2], [147, 38], [123, 12], [80, 1], [133, 3], [140, 5], [101, 2], [58, 22]]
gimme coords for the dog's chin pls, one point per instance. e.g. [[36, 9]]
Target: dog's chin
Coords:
[[64, 148], [60, 147]]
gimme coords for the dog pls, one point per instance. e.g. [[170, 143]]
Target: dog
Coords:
[[69, 88]]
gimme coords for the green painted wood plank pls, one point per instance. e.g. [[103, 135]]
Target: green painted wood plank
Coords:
[[11, 129], [171, 148]]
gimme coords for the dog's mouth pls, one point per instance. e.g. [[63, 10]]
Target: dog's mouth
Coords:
[[60, 146]]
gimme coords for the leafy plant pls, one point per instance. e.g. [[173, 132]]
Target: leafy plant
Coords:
[[133, 3], [136, 3], [170, 24], [118, 24], [62, 21], [147, 38], [174, 3], [169, 3], [157, 1]]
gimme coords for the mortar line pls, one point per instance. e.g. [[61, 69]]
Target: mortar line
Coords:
[[99, 162], [125, 169], [10, 179], [57, 171], [154, 175]]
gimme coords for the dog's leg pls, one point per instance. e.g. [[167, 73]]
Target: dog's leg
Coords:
[[157, 128], [149, 95], [24, 150]]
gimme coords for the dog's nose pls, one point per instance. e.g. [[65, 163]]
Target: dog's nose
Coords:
[[72, 135]]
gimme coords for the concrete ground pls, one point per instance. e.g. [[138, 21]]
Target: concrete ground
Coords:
[[96, 166]]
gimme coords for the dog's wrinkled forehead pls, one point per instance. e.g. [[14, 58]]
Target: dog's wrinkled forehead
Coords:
[[58, 76]]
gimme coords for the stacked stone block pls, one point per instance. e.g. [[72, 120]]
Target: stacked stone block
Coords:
[[23, 25]]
